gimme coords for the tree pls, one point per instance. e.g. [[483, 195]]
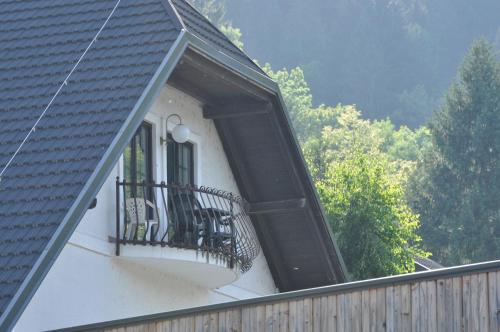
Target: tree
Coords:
[[215, 12], [297, 96], [456, 188], [374, 227]]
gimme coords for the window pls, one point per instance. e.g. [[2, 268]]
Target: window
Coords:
[[180, 162], [138, 160]]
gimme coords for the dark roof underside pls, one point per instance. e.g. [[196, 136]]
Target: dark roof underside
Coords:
[[41, 41]]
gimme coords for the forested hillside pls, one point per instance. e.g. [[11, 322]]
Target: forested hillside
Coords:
[[396, 105], [392, 58]]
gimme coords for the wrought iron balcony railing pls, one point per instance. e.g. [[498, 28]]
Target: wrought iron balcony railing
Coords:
[[189, 217]]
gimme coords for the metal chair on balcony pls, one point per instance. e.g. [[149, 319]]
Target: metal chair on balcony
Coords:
[[137, 210], [200, 225], [189, 222]]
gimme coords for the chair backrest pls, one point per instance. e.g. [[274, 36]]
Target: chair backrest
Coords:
[[136, 210], [182, 204]]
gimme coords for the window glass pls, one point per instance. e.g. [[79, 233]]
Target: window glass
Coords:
[[137, 160], [180, 162]]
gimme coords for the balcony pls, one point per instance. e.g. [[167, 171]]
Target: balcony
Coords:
[[183, 229]]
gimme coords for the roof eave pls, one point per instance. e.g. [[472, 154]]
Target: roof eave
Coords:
[[271, 86]]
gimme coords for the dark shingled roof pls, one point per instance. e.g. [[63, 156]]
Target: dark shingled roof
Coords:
[[40, 42], [65, 160], [424, 264]]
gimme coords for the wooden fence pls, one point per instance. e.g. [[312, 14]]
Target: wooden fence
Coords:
[[465, 298]]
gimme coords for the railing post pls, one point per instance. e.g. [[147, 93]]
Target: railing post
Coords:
[[231, 225], [117, 249]]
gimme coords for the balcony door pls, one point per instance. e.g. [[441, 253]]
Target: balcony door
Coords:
[[180, 162]]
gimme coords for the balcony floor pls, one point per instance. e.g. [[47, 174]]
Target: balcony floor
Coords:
[[194, 266]]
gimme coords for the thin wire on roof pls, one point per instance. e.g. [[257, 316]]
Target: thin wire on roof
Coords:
[[65, 82]]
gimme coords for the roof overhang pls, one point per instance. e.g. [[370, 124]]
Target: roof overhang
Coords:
[[262, 106]]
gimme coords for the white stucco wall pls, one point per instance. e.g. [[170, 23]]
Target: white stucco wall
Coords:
[[88, 284]]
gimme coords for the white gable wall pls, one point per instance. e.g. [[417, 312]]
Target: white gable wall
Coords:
[[89, 284]]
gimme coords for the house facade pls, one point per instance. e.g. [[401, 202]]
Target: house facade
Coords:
[[147, 165], [144, 278]]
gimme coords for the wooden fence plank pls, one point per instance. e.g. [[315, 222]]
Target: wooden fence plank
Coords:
[[233, 319], [245, 319], [163, 326], [198, 323], [276, 317], [397, 308], [498, 300], [443, 304], [458, 321], [283, 317], [254, 322], [356, 319], [175, 325], [483, 302], [365, 310], [494, 300], [317, 314], [308, 315], [466, 303], [424, 306], [300, 315], [474, 302], [269, 318], [292, 321], [332, 313], [228, 320], [415, 307], [323, 322], [380, 310], [189, 324], [341, 312], [222, 321], [261, 317], [431, 305], [390, 309], [347, 312], [406, 308], [373, 310]]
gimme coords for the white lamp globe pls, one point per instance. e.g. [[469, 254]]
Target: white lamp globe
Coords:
[[180, 134]]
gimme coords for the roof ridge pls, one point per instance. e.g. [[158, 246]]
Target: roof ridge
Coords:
[[174, 15]]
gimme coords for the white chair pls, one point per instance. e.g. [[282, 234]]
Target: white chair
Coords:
[[137, 213]]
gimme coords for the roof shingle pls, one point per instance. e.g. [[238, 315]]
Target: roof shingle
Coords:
[[40, 43]]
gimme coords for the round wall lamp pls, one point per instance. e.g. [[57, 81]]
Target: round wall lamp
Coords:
[[181, 132]]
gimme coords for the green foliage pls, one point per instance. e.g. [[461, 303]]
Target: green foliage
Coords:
[[234, 34], [360, 168], [296, 93], [375, 228], [456, 188]]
